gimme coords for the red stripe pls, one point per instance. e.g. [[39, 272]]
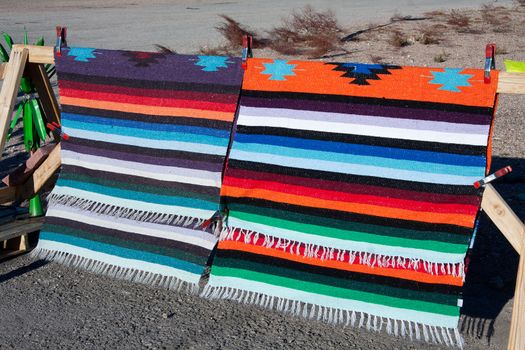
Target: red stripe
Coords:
[[356, 188], [299, 249], [149, 101], [346, 197], [172, 94]]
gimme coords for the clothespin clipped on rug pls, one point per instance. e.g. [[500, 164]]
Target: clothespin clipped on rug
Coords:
[[501, 172], [247, 42], [61, 39], [57, 130], [490, 61], [217, 216]]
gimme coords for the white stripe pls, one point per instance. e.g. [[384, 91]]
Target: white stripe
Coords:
[[337, 303], [119, 261], [142, 142], [367, 130], [410, 253], [133, 204], [157, 172], [174, 233]]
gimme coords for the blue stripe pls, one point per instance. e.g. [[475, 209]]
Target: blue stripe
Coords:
[[311, 155], [139, 196], [148, 134], [364, 150], [67, 117], [122, 252]]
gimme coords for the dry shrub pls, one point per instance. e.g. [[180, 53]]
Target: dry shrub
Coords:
[[441, 57], [505, 28], [457, 19], [310, 32], [164, 49], [398, 39], [233, 32], [500, 50], [429, 36], [435, 13], [376, 59], [221, 50], [489, 15], [520, 2]]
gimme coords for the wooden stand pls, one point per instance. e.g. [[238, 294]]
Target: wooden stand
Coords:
[[32, 57]]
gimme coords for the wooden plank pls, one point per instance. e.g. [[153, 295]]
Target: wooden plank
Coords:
[[38, 76], [20, 227], [7, 195], [517, 324], [511, 83], [3, 67], [39, 54], [9, 92], [502, 215]]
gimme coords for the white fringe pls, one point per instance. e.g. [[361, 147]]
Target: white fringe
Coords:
[[324, 253], [399, 328], [133, 214], [102, 268]]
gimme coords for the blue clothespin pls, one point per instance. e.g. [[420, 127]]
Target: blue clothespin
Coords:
[[490, 61]]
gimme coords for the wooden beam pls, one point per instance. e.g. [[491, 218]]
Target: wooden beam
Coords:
[[517, 324], [39, 78], [39, 54], [40, 176], [511, 83], [20, 227], [502, 215], [3, 66], [7, 195], [9, 92]]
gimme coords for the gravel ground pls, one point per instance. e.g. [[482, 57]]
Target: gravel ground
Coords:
[[45, 305]]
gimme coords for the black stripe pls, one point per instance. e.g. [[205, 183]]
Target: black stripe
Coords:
[[105, 231], [368, 100], [150, 84], [125, 178], [365, 140], [341, 274], [355, 179], [347, 216], [206, 123], [165, 153]]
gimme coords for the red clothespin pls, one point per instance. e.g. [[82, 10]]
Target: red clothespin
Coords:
[[53, 126], [61, 39], [490, 61], [247, 42], [492, 177]]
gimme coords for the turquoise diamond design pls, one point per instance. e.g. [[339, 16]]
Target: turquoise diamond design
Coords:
[[82, 54], [451, 79], [278, 70], [212, 63]]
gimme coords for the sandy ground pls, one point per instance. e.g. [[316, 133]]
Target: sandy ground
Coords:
[[50, 306]]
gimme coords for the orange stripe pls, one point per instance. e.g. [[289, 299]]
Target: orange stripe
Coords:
[[395, 213], [343, 265], [151, 110]]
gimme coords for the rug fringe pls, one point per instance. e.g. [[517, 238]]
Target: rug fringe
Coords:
[[128, 274], [130, 214], [398, 328], [324, 253]]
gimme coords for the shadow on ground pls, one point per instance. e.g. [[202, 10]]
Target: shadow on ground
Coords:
[[493, 262]]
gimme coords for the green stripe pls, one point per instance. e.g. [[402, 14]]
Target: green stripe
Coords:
[[348, 235], [138, 187], [382, 289], [336, 292], [448, 237], [126, 243]]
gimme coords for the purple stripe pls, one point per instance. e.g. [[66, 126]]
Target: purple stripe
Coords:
[[142, 158], [170, 68], [367, 109]]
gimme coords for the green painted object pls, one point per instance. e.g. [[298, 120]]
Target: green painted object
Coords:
[[515, 66]]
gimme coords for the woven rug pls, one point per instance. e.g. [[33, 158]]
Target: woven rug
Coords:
[[350, 196], [148, 135]]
